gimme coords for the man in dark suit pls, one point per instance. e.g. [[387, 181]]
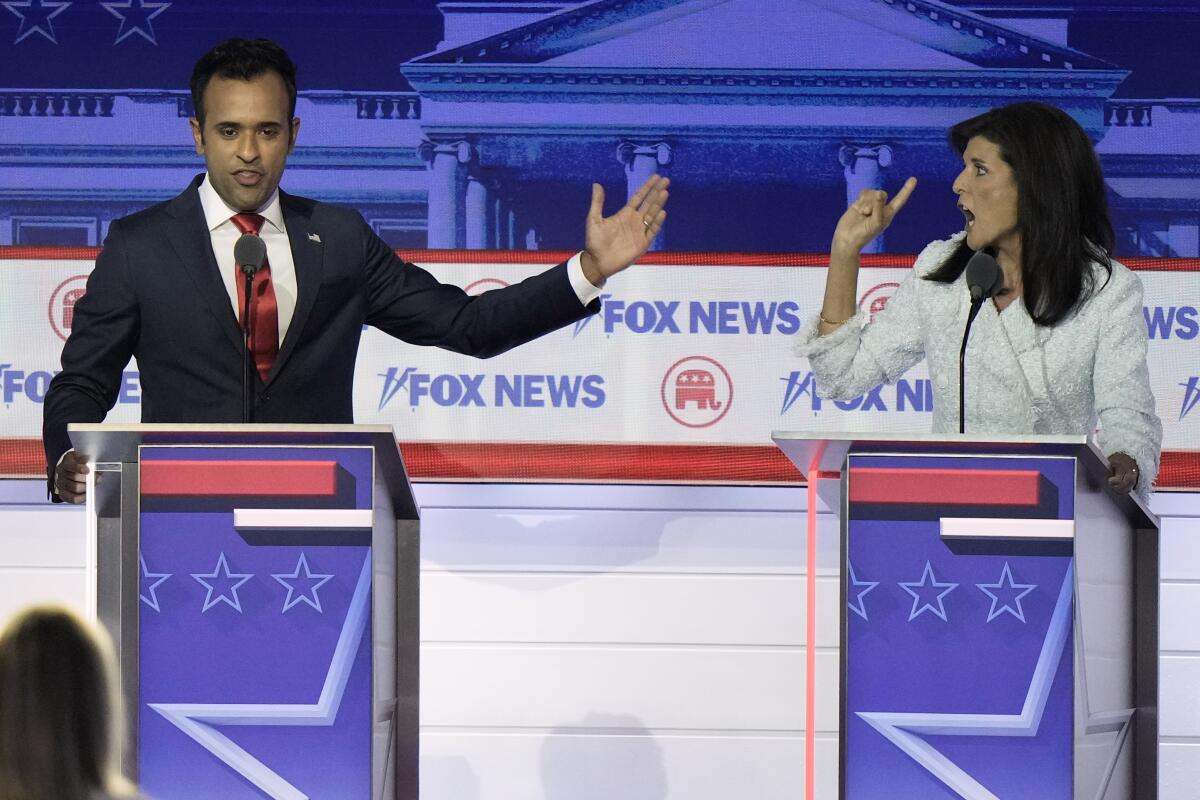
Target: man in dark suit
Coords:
[[166, 289]]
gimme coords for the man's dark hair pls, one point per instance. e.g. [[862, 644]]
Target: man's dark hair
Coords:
[[1062, 208], [243, 60]]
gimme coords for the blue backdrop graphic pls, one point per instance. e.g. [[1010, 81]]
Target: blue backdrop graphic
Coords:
[[479, 124], [938, 632], [269, 622]]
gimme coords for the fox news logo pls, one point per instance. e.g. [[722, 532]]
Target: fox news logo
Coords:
[[906, 395], [1166, 322], [720, 317], [1191, 394], [532, 390], [18, 385]]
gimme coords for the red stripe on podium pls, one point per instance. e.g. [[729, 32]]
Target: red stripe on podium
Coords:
[[239, 478], [960, 487], [615, 463]]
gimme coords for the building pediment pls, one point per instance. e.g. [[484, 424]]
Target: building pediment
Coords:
[[771, 34]]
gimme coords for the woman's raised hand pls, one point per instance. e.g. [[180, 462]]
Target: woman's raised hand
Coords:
[[869, 216]]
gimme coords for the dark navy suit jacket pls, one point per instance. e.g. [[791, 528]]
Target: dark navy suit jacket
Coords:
[[156, 294]]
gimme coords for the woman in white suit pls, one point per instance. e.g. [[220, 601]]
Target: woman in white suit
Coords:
[[1062, 344]]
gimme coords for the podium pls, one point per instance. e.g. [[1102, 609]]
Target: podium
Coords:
[[997, 623], [261, 584]]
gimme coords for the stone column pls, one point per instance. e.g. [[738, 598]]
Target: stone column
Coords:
[[445, 205], [641, 161], [478, 203], [499, 225], [864, 166], [511, 235]]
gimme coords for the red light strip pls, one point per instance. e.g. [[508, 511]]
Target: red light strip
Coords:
[[948, 487], [179, 478], [594, 463]]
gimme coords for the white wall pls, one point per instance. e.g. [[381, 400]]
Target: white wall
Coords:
[[639, 642], [632, 642], [1179, 646]]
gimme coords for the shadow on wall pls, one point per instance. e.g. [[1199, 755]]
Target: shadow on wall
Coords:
[[566, 545], [605, 756], [582, 540]]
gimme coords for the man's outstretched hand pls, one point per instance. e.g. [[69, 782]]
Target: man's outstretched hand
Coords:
[[613, 243]]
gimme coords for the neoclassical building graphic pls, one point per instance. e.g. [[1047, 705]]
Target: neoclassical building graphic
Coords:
[[767, 114]]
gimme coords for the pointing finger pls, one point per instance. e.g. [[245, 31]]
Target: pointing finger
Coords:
[[902, 196]]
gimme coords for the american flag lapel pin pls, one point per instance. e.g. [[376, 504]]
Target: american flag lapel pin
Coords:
[[312, 237]]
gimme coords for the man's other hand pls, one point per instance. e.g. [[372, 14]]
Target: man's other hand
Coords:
[[69, 477]]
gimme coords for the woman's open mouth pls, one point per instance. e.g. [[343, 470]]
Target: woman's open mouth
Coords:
[[970, 217]]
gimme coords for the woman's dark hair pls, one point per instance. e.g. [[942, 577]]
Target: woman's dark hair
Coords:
[[1062, 209], [243, 60], [60, 710]]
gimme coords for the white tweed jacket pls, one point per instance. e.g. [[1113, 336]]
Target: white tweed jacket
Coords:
[[1020, 377]]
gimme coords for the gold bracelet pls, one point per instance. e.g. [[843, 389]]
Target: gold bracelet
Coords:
[[821, 317]]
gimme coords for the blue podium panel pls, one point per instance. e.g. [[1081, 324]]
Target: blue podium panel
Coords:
[[255, 620], [958, 647]]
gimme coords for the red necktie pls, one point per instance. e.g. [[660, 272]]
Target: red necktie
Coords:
[[264, 314]]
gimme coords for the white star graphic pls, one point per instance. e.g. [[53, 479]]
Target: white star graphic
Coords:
[[152, 600], [136, 15], [36, 18], [856, 588], [197, 720], [916, 589], [221, 572], [303, 596], [1006, 586], [904, 729]]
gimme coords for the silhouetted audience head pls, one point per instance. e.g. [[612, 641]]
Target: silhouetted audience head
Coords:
[[60, 710]]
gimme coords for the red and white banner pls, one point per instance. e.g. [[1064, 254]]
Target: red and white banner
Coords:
[[683, 374]]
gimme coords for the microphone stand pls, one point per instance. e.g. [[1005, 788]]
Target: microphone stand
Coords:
[[247, 362], [984, 279], [962, 355]]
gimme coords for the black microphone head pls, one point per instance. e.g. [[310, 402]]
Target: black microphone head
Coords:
[[250, 253], [984, 277]]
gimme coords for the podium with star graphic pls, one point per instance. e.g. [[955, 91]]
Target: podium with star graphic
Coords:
[[998, 617], [261, 585]]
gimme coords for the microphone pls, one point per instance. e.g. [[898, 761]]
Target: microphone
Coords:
[[984, 280], [249, 253], [984, 277]]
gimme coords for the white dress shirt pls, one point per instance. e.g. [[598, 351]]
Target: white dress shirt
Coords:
[[218, 217]]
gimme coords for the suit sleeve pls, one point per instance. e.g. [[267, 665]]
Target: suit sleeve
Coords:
[[103, 336], [410, 304]]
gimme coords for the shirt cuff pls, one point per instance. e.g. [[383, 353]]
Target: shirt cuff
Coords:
[[584, 289]]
